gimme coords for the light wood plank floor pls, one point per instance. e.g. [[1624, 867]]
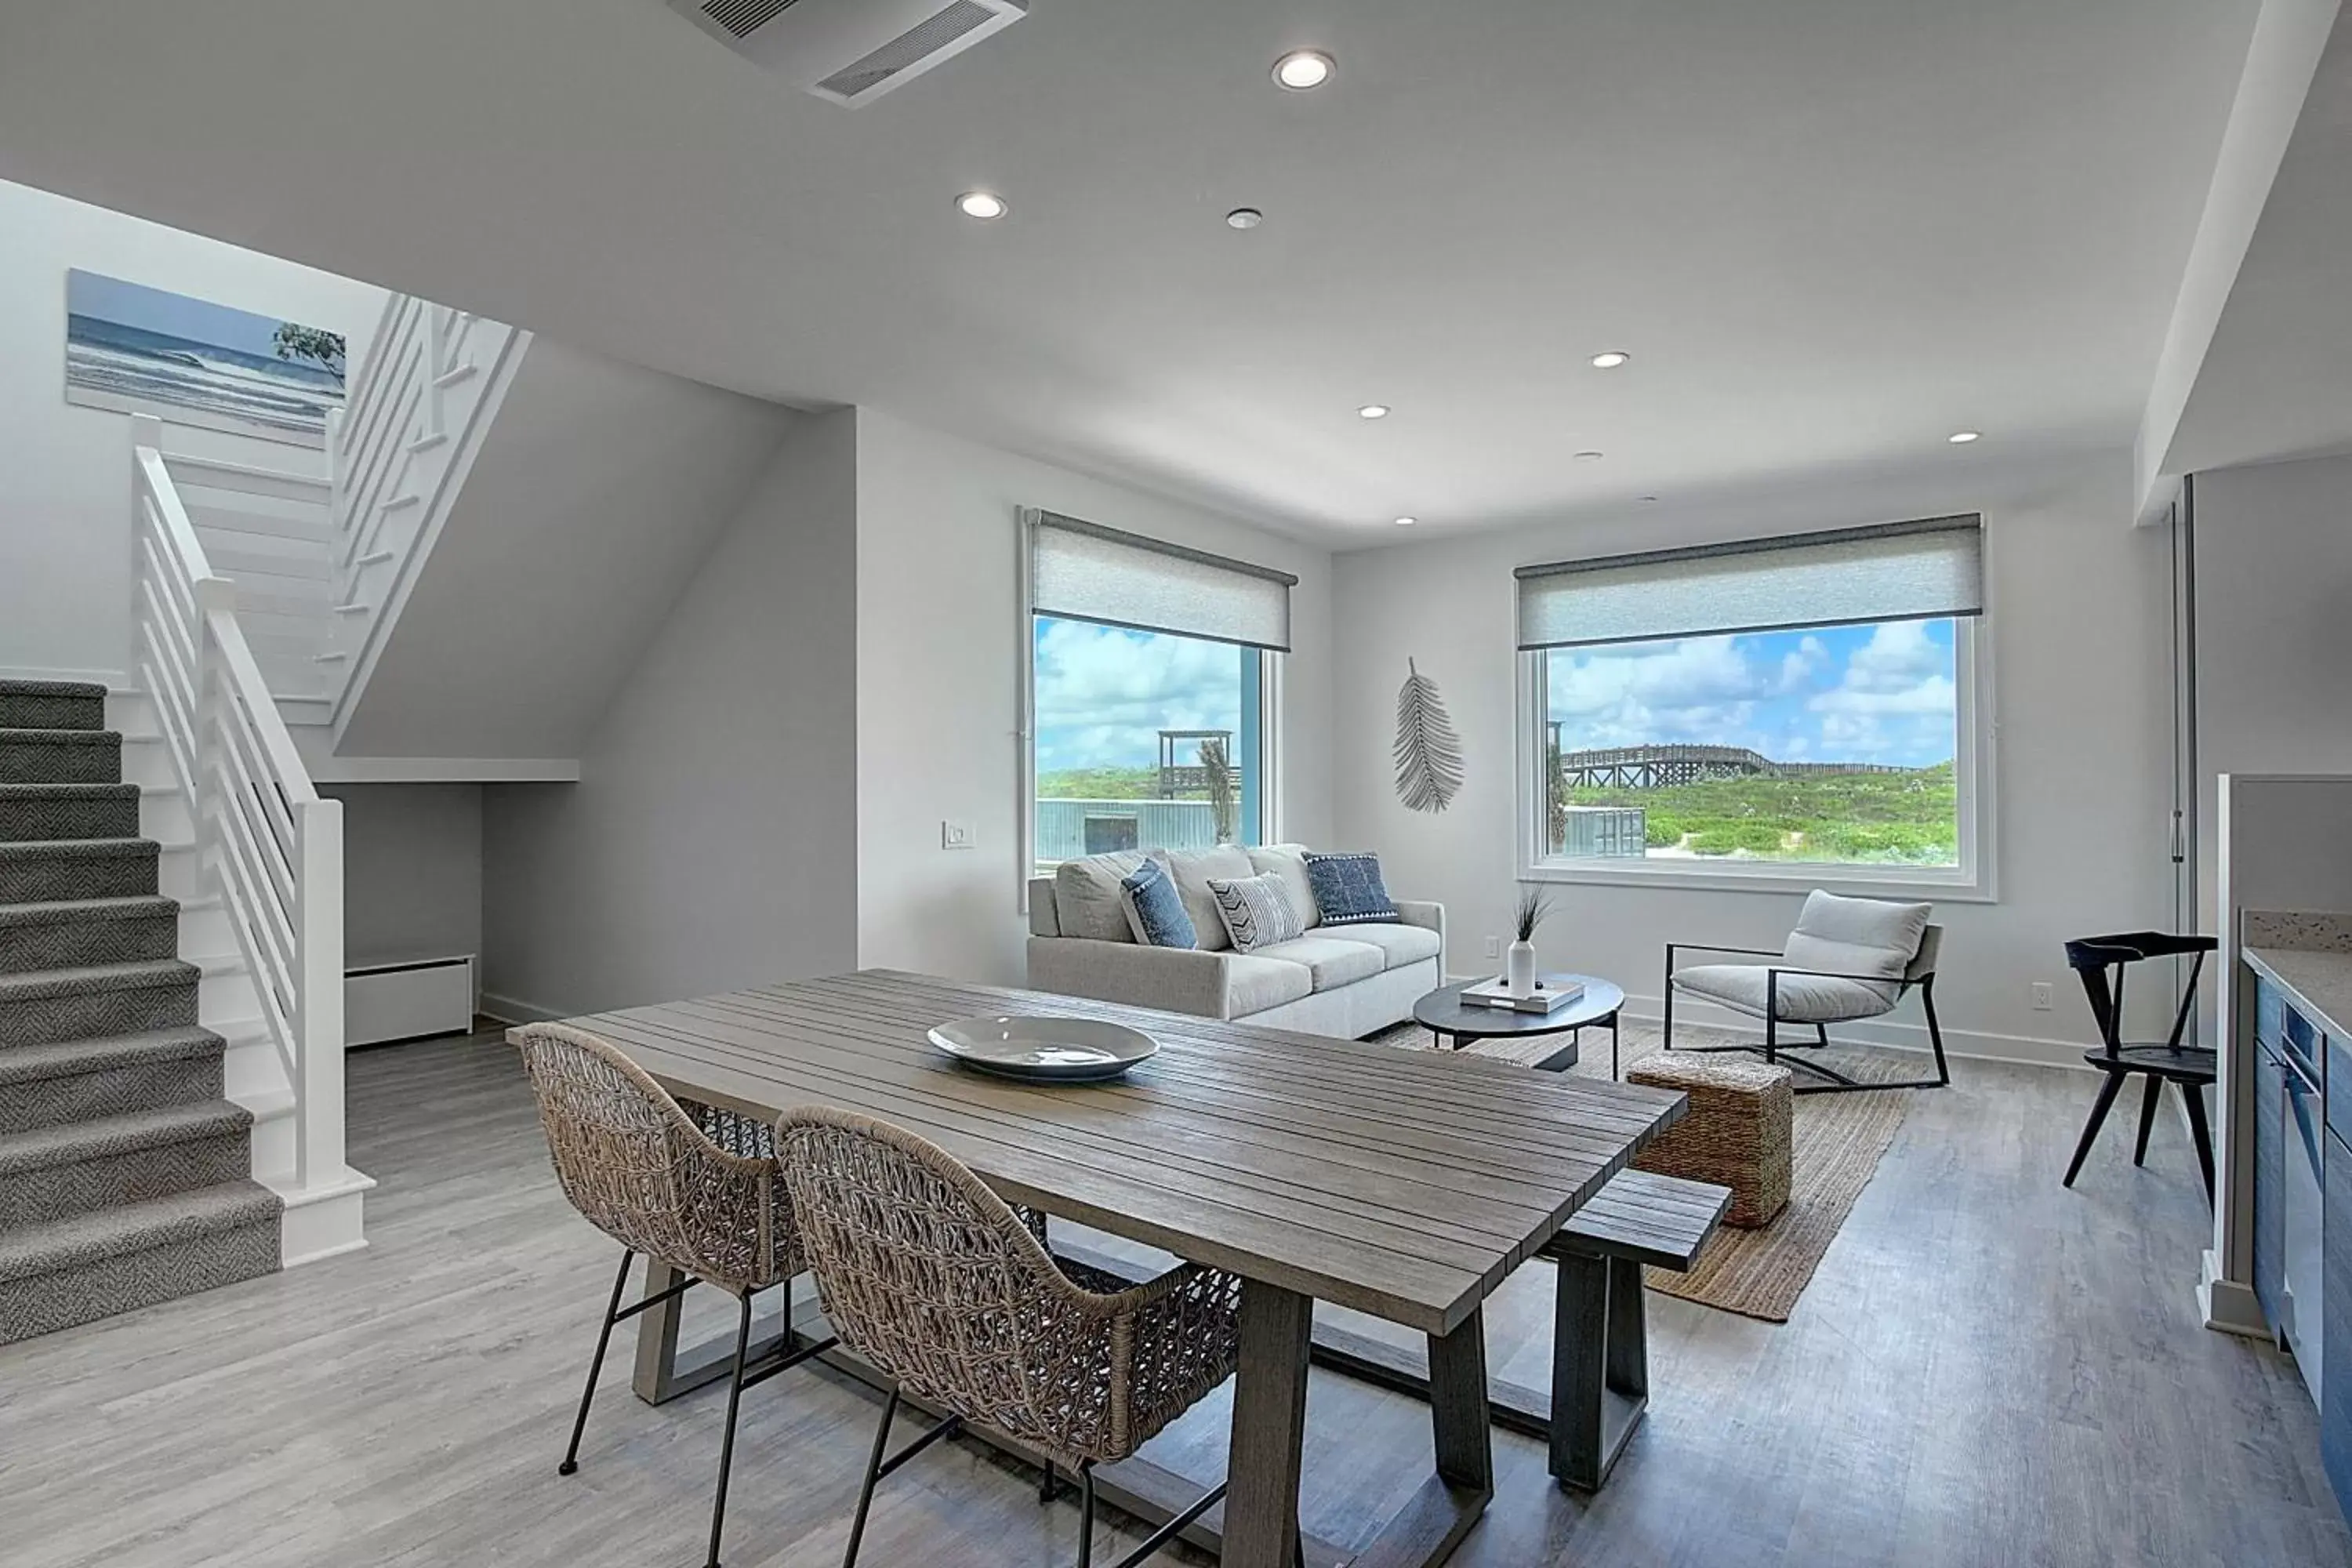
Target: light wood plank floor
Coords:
[[1987, 1370]]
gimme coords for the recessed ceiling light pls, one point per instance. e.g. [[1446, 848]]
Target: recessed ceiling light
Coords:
[[1244, 217], [1373, 411], [1406, 521], [1587, 456], [1962, 437], [1611, 360], [1303, 69], [984, 205]]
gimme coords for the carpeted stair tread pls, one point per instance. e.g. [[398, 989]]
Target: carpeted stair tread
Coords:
[[89, 980], [23, 1064], [63, 912], [89, 1238], [52, 705], [79, 849], [60, 756], [49, 812], [134, 1132]]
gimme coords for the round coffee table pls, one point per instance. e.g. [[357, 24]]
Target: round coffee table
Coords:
[[1443, 1013]]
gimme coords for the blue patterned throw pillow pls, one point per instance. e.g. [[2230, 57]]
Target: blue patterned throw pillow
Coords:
[[1348, 889], [1156, 910], [1257, 910]]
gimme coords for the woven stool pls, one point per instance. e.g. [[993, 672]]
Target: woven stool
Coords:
[[1735, 1135]]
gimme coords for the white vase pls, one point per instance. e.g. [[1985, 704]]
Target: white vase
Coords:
[[1519, 968]]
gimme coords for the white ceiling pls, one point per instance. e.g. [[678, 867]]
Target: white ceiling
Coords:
[[2276, 381], [1829, 231]]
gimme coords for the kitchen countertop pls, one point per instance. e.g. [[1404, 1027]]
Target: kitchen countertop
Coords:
[[2319, 983]]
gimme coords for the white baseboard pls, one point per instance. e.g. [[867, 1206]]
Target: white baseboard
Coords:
[[2229, 1306], [324, 1219], [514, 1010]]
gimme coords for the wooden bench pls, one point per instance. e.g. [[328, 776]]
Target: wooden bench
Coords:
[[1599, 1369], [1601, 1356]]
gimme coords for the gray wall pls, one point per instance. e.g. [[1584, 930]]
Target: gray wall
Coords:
[[412, 869], [712, 841], [2274, 629]]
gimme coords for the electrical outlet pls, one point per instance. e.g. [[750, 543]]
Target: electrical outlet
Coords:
[[954, 834], [2044, 997], [1493, 947]]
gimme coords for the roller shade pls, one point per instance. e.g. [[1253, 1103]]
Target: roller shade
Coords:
[[1898, 571], [1084, 572]]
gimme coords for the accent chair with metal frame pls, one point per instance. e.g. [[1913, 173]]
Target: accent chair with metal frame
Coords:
[[1848, 960], [697, 1190], [930, 1276], [2101, 961]]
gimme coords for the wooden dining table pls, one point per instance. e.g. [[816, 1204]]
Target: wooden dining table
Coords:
[[1401, 1184]]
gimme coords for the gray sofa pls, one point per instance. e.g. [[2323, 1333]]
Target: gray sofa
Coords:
[[1349, 981]]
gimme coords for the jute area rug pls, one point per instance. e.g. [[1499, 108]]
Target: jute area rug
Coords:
[[1838, 1140]]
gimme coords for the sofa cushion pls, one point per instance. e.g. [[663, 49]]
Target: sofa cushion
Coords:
[[1329, 961], [1857, 937], [1257, 910], [1399, 944], [1192, 869], [1255, 982], [1155, 911], [1288, 861], [1348, 889], [1087, 901], [1803, 998]]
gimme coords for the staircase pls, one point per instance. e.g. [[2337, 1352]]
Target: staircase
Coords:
[[124, 1172]]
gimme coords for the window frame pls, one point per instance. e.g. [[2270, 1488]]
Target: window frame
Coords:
[[1270, 662], [1973, 881]]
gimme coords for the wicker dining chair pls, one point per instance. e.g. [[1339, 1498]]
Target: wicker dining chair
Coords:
[[931, 1276], [693, 1187]]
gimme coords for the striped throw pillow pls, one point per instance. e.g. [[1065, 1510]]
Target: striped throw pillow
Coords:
[[1257, 910]]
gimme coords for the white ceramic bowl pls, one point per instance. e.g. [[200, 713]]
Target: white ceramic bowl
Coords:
[[1045, 1048]]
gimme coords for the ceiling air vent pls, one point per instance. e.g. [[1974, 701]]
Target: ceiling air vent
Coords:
[[850, 51]]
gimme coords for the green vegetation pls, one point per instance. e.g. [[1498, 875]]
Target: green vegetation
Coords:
[[1100, 783], [1912, 818]]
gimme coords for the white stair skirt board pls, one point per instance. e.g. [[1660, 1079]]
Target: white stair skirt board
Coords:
[[407, 999]]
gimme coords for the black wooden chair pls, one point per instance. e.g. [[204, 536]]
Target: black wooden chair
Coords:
[[2101, 961]]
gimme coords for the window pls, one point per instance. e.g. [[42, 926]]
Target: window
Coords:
[[1792, 709], [1149, 690]]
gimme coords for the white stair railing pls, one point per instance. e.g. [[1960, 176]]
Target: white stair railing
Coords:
[[267, 845], [397, 453]]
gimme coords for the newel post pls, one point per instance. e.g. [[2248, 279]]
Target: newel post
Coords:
[[319, 961]]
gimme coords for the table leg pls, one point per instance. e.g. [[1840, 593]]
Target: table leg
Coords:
[[1269, 1427], [1612, 1047], [657, 1339], [1426, 1532]]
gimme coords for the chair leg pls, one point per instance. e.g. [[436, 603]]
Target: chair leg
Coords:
[[1049, 1485], [873, 1474], [596, 1365], [1085, 1516], [2108, 1092], [1935, 1030], [2201, 1134], [2149, 1098], [727, 1443]]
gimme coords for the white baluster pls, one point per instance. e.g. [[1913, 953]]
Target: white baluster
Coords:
[[318, 946]]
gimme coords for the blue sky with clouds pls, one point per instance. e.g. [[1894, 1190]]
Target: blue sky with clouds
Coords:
[[1861, 694], [1857, 694], [1104, 693]]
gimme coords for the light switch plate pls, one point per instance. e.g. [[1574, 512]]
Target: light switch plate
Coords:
[[954, 834]]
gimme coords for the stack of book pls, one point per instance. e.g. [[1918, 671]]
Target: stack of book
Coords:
[[1552, 993]]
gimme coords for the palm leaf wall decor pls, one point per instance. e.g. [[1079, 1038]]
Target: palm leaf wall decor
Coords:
[[1428, 750]]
